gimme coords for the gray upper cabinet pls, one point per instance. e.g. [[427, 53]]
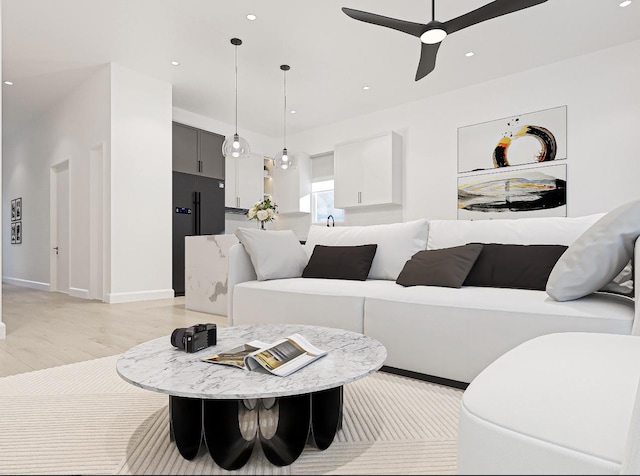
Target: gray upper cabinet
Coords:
[[197, 152], [211, 158]]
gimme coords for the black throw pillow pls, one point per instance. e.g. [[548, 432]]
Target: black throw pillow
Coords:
[[340, 262], [514, 266], [446, 267]]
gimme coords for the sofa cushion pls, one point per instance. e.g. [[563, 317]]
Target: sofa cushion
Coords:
[[397, 243], [519, 231], [598, 255], [274, 254], [340, 262], [459, 332], [323, 302], [514, 266], [445, 267]]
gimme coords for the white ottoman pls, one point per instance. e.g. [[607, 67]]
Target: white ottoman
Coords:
[[557, 404]]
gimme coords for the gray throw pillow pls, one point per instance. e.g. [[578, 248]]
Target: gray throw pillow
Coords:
[[274, 254], [597, 256]]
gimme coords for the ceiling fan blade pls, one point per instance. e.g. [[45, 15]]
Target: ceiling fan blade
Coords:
[[415, 29], [491, 10], [427, 59]]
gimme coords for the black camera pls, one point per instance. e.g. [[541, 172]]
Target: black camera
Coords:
[[194, 338]]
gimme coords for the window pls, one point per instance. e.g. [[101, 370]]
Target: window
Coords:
[[322, 202]]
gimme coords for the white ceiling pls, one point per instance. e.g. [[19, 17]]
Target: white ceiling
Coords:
[[49, 46]]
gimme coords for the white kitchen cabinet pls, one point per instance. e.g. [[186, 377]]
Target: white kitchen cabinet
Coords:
[[244, 181], [292, 187], [368, 171]]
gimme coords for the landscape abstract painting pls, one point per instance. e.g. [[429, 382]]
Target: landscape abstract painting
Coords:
[[518, 193], [525, 139]]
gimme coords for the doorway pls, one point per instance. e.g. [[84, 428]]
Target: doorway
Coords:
[[59, 227]]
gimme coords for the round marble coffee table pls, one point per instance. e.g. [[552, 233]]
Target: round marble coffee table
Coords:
[[231, 409]]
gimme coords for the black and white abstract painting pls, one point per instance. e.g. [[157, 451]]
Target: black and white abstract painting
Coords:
[[518, 140], [515, 193]]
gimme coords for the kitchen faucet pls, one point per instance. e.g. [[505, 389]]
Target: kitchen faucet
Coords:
[[333, 222]]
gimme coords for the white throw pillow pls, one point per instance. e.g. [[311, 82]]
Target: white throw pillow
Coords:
[[397, 243], [597, 256], [274, 254]]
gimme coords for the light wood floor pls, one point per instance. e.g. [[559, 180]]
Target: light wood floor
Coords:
[[49, 329]]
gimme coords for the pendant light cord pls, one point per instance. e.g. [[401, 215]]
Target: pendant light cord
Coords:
[[433, 10], [236, 51], [285, 108]]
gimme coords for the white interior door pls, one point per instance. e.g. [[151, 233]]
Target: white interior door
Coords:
[[60, 228]]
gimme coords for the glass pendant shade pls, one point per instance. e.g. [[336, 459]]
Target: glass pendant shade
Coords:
[[236, 147], [284, 160]]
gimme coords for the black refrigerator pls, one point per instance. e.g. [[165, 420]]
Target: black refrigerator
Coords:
[[198, 209]]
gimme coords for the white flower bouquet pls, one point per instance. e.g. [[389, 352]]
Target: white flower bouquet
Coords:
[[263, 211]]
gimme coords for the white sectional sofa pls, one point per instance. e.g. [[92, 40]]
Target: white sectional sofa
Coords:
[[443, 332]]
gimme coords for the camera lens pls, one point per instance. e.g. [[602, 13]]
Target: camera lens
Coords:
[[176, 337]]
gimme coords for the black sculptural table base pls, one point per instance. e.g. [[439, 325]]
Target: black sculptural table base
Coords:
[[231, 428]]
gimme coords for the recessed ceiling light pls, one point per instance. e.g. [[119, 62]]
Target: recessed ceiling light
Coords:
[[175, 63], [469, 54], [251, 17], [626, 3], [8, 83], [366, 88], [292, 112]]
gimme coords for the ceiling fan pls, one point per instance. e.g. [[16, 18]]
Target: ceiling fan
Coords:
[[432, 33]]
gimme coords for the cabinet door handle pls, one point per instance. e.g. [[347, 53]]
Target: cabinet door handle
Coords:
[[359, 197]]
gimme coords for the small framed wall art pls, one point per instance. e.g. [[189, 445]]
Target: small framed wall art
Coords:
[[18, 209], [16, 221], [18, 232]]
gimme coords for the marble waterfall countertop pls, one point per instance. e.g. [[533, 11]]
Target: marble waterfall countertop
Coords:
[[206, 272]]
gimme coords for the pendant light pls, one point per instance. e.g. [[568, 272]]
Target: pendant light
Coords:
[[235, 146], [284, 159]]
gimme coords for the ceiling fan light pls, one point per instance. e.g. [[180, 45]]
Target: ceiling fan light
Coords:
[[435, 34]]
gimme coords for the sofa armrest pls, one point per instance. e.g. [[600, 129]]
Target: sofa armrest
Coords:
[[636, 288], [240, 270]]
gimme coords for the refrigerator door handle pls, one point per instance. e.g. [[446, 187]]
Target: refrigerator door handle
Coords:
[[196, 209]]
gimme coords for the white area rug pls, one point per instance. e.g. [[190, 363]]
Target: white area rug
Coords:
[[84, 419]]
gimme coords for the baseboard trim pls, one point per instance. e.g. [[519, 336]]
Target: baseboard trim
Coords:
[[3, 331], [25, 283], [427, 378], [115, 298], [79, 293]]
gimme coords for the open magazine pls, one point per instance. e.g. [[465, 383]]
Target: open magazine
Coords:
[[281, 358]]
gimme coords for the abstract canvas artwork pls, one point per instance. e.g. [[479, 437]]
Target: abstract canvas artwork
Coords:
[[518, 140], [529, 192]]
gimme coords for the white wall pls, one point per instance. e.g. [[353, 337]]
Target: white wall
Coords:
[[67, 131], [3, 329], [140, 235], [603, 103]]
